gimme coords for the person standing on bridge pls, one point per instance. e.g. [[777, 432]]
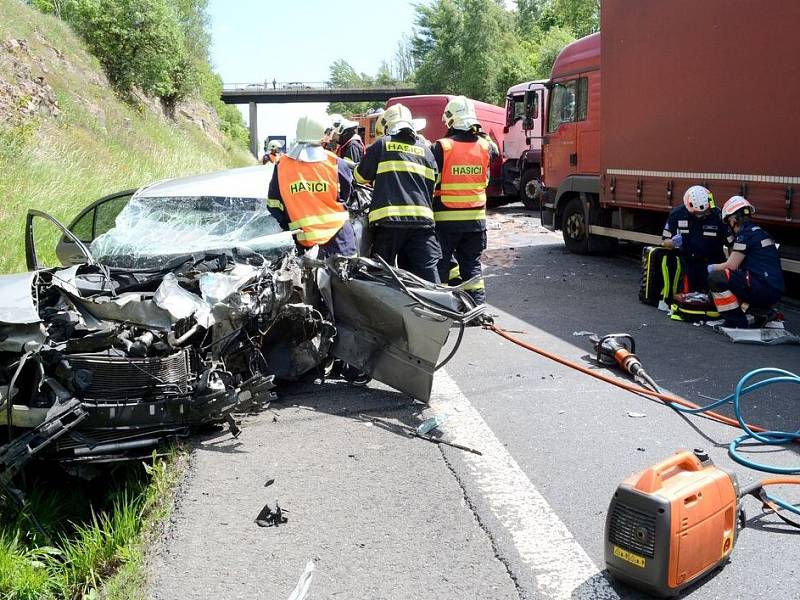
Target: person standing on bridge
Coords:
[[351, 146], [402, 171], [308, 188], [459, 202]]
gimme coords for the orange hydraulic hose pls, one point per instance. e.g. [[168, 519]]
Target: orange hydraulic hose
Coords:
[[666, 398], [788, 480]]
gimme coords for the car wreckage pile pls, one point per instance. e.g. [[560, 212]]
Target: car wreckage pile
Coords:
[[106, 360]]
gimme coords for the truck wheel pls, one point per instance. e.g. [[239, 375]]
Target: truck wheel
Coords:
[[574, 227], [530, 189]]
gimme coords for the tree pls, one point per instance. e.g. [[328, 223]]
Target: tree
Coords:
[[403, 64], [343, 75], [581, 17]]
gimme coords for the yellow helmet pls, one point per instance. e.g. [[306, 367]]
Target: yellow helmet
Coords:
[[310, 129]]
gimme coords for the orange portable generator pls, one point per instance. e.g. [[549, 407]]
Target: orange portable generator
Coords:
[[672, 523]]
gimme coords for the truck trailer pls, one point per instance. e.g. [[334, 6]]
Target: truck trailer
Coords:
[[677, 94]]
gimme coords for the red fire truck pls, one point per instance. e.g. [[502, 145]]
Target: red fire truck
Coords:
[[692, 93]]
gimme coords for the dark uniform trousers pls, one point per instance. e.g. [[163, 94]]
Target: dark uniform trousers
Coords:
[[467, 247], [747, 287], [415, 249]]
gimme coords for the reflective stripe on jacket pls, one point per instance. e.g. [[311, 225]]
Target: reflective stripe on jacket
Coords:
[[460, 195], [310, 193], [403, 173]]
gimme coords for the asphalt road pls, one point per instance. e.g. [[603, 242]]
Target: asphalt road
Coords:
[[382, 515]]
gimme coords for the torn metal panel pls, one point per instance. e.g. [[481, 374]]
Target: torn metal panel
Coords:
[[16, 299]]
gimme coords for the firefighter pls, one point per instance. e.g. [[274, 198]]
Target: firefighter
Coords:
[[459, 202], [752, 274], [697, 231], [351, 146], [402, 171], [273, 153], [307, 191]]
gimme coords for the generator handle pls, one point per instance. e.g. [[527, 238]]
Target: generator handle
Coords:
[[652, 479]]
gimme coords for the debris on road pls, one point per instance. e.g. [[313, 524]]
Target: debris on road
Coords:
[[636, 415], [413, 433], [430, 424], [271, 518], [301, 590]]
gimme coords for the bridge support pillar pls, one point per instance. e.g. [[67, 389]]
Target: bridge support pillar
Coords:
[[254, 128]]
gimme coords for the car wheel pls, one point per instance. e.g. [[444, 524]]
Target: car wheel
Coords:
[[530, 189], [574, 227]]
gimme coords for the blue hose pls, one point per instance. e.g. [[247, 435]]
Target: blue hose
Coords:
[[769, 438]]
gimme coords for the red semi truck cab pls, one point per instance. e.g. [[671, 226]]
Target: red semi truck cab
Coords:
[[491, 117], [522, 146], [687, 99]]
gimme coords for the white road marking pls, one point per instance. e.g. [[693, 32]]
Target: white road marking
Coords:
[[560, 566]]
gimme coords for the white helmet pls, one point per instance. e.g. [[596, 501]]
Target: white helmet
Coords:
[[395, 118], [274, 145], [698, 200], [336, 118], [310, 129], [460, 114], [344, 125], [735, 204]]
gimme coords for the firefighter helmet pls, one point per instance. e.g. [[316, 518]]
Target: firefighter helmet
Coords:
[[698, 200], [395, 118], [736, 205], [274, 145], [460, 114], [310, 129], [344, 125]]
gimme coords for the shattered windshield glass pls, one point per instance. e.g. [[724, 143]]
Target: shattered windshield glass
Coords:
[[150, 230]]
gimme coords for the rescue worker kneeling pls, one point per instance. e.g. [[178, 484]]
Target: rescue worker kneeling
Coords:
[[697, 230], [307, 189], [752, 274], [459, 202], [403, 173]]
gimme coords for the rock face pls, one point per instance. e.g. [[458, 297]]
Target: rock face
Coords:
[[24, 94]]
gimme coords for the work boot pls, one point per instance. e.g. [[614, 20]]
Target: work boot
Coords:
[[735, 319]]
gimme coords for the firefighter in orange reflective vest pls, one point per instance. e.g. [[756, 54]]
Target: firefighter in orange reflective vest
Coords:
[[459, 201], [307, 191], [403, 173]]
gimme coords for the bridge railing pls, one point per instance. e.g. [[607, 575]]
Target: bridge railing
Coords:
[[300, 86]]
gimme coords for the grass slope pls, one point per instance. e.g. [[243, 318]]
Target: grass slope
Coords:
[[98, 145]]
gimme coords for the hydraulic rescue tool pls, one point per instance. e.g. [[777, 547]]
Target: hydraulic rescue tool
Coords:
[[620, 349], [672, 523]]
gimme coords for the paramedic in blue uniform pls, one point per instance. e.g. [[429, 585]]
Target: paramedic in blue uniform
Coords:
[[698, 232], [752, 274]]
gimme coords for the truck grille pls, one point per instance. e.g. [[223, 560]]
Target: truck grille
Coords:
[[632, 530], [113, 377]]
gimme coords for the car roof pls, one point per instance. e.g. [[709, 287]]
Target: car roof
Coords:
[[246, 182]]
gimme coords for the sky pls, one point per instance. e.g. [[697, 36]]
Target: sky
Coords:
[[296, 40]]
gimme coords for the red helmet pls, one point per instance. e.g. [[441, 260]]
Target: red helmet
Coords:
[[736, 204], [698, 200]]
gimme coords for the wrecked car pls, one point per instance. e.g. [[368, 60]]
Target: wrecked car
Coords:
[[181, 303]]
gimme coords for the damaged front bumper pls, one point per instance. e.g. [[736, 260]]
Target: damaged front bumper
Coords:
[[139, 357]]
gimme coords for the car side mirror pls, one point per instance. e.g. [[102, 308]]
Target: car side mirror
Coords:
[[527, 123]]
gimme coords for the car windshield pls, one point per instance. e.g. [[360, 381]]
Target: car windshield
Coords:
[[150, 231]]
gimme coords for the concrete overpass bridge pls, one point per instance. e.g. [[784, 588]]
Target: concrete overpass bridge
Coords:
[[276, 92]]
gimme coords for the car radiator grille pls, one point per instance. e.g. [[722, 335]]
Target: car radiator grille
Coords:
[[632, 530], [119, 377]]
